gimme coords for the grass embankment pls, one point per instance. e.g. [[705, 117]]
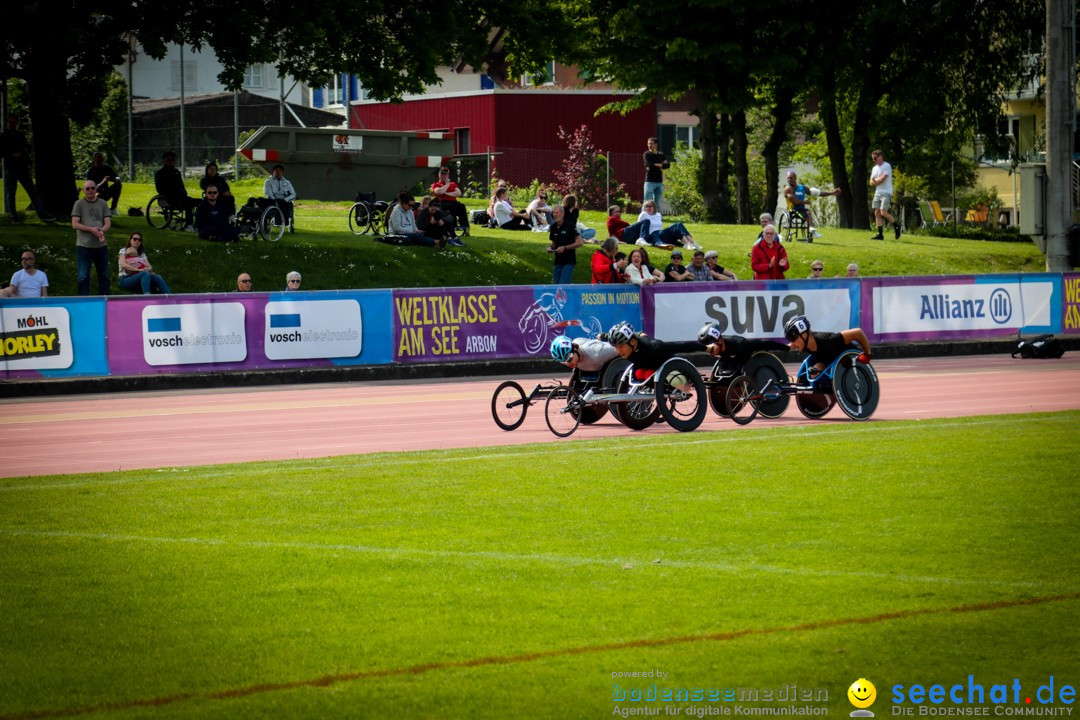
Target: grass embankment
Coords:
[[513, 582], [330, 257]]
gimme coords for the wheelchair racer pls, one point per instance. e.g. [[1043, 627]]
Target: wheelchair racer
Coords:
[[824, 347], [584, 354], [734, 349], [647, 354]]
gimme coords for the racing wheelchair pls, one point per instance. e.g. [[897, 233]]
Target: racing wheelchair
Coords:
[[510, 404], [369, 215], [849, 381], [675, 393]]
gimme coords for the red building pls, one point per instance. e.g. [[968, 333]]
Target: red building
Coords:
[[516, 130]]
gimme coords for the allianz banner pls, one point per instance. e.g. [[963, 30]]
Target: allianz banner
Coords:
[[454, 324], [755, 309], [52, 337], [247, 331], [961, 307]]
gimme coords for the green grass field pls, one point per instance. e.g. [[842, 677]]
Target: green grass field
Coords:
[[512, 582], [330, 257]]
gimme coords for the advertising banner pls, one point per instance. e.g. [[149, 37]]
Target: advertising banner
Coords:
[[755, 309], [962, 307], [452, 324], [52, 337], [246, 331], [1070, 313]]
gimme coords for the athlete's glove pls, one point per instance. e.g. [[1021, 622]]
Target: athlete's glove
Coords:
[[864, 358]]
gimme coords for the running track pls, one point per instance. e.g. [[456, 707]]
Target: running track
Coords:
[[126, 431]]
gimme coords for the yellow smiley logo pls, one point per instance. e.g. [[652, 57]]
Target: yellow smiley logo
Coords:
[[862, 693]]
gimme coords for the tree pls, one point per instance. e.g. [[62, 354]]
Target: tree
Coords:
[[584, 172], [65, 50]]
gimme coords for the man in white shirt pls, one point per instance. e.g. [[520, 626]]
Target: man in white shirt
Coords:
[[280, 190], [881, 181], [28, 281]]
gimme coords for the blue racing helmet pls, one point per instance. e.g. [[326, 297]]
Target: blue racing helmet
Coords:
[[561, 348], [620, 333], [709, 333], [796, 327]]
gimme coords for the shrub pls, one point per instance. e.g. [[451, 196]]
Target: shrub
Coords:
[[584, 173]]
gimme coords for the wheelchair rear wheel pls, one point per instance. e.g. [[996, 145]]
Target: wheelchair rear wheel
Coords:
[[763, 367], [680, 394], [272, 223], [162, 217], [856, 388], [360, 218]]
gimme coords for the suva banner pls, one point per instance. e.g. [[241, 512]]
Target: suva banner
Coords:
[[52, 337], [753, 309], [451, 324], [247, 331], [961, 307]]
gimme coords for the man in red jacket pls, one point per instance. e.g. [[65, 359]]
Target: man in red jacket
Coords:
[[768, 259]]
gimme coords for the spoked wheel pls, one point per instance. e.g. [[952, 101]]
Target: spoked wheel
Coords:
[[856, 388], [272, 223], [158, 213], [763, 367], [563, 411], [718, 384], [815, 405], [680, 394], [742, 400], [508, 405], [360, 219], [639, 414]]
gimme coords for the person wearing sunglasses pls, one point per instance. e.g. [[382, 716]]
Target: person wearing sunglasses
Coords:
[[136, 274], [447, 192], [27, 281], [212, 218], [243, 283], [91, 219], [292, 281], [816, 269], [540, 214]]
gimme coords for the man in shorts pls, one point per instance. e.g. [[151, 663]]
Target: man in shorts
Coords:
[[882, 182]]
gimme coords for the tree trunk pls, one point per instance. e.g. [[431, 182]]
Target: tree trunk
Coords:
[[742, 169], [838, 162], [723, 168], [781, 113], [865, 114], [710, 190], [46, 81]]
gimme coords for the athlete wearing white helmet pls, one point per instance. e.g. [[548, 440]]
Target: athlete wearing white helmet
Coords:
[[584, 354]]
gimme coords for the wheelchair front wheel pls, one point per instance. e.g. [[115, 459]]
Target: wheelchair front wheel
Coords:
[[742, 400], [272, 223], [508, 405], [562, 411]]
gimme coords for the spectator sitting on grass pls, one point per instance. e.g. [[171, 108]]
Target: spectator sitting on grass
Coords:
[[243, 282], [816, 268], [108, 184], [539, 211], [676, 271], [27, 281], [438, 226], [213, 179], [292, 281], [506, 217], [403, 223], [622, 230], [719, 272], [607, 266], [136, 275], [212, 218]]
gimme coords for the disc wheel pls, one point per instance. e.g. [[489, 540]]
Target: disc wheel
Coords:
[[639, 414], [741, 399], [562, 411], [360, 219], [815, 405], [508, 406], [763, 367], [680, 394], [272, 223], [856, 388]]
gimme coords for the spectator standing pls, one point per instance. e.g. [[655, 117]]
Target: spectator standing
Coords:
[[624, 231], [278, 188], [15, 149], [639, 272], [564, 243], [655, 165], [136, 275], [605, 268], [91, 220], [215, 180], [769, 259], [816, 268], [506, 217], [108, 182], [292, 281], [882, 182], [169, 183], [676, 271], [403, 223], [28, 281], [447, 192], [243, 282], [212, 218], [718, 271]]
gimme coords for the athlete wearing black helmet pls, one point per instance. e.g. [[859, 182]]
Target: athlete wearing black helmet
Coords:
[[644, 352], [733, 347], [824, 347]]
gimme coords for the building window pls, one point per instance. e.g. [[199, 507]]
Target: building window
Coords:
[[672, 135], [253, 76], [544, 77], [189, 75], [461, 141]]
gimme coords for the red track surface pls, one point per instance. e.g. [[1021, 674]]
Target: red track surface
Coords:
[[99, 433]]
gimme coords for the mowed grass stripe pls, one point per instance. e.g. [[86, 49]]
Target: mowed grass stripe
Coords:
[[425, 668]]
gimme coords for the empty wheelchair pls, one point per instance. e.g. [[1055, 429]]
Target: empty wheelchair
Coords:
[[261, 219], [368, 215]]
